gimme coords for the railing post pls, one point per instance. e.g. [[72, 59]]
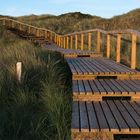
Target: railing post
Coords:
[[108, 46], [67, 42], [59, 41], [51, 37], [82, 41], [133, 51], [71, 42], [98, 42], [54, 38], [64, 42], [76, 41], [89, 41], [37, 32], [118, 50]]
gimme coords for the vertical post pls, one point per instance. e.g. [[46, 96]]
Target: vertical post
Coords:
[[67, 42], [54, 38], [37, 32], [108, 46], [51, 37], [118, 51], [71, 42], [98, 42], [82, 41], [19, 71], [59, 41], [133, 51], [76, 41], [64, 42], [89, 41]]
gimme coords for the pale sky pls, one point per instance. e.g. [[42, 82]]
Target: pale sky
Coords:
[[103, 8]]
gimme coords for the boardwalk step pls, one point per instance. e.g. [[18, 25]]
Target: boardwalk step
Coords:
[[98, 90], [71, 53], [107, 117], [94, 68]]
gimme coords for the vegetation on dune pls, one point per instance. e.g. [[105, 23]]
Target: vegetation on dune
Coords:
[[77, 21], [38, 108]]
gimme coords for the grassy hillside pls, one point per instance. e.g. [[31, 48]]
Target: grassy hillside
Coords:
[[33, 109], [77, 21]]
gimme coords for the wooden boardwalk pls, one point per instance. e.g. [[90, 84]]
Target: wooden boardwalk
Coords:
[[102, 89], [71, 53], [89, 68], [106, 99], [90, 119]]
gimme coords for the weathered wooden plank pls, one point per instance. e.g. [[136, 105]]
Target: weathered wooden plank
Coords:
[[93, 122], [132, 112], [127, 117], [75, 125], [118, 117], [101, 118], [110, 118], [133, 51], [84, 118], [81, 87]]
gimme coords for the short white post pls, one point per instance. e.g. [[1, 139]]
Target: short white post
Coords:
[[19, 71]]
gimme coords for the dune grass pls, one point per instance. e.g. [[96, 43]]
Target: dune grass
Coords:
[[38, 108]]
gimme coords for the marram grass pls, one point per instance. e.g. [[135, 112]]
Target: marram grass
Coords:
[[38, 108]]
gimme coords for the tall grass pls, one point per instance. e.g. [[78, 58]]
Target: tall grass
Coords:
[[38, 108]]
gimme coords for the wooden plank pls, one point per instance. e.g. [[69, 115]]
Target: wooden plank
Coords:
[[94, 88], [89, 41], [132, 112], [101, 118], [127, 117], [118, 117], [112, 86], [110, 118], [83, 117], [106, 87], [126, 87], [87, 87], [98, 41], [100, 87], [118, 51], [108, 46], [123, 91], [93, 122], [75, 87], [82, 41], [71, 42], [75, 125], [76, 41], [133, 51], [81, 87]]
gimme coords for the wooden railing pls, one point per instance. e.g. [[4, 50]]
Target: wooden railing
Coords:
[[80, 40]]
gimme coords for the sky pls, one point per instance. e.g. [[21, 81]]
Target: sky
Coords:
[[103, 8]]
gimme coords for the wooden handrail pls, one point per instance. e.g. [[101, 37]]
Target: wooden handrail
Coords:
[[84, 37]]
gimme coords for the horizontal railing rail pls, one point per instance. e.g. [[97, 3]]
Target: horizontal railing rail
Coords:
[[82, 40]]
